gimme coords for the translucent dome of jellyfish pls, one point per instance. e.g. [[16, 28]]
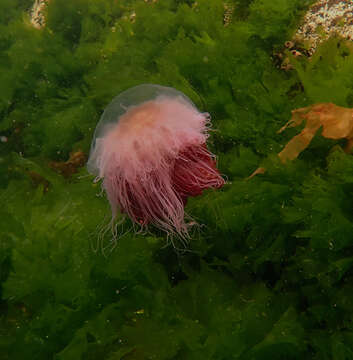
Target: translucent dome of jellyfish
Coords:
[[149, 148]]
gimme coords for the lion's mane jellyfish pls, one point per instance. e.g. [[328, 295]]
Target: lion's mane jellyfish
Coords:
[[149, 148]]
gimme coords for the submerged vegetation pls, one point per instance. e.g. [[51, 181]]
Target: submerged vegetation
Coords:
[[267, 274]]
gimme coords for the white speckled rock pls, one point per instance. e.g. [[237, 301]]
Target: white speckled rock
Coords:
[[326, 17], [36, 13]]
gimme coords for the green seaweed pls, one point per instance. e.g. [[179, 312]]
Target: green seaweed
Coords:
[[268, 272]]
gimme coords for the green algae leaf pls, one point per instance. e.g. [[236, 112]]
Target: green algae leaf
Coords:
[[122, 353], [151, 339], [76, 349], [284, 340], [233, 319], [132, 259], [51, 233], [340, 348], [340, 166], [246, 161], [330, 67], [274, 253], [337, 346], [340, 267], [269, 18]]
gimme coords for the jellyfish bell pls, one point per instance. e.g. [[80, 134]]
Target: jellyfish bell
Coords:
[[149, 149]]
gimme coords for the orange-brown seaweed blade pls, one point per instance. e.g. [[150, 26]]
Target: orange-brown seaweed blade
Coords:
[[336, 122]]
